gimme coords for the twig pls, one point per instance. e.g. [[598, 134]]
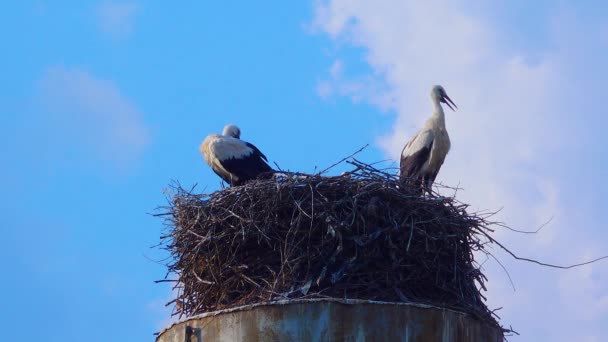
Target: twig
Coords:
[[342, 160], [542, 263]]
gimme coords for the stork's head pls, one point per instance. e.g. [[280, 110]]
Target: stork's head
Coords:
[[231, 130], [438, 93]]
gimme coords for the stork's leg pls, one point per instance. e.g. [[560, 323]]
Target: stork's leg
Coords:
[[422, 185], [428, 186]]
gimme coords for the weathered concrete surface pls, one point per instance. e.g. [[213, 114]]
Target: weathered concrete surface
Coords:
[[332, 320]]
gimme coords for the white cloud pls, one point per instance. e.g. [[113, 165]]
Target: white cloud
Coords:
[[364, 88], [117, 18], [91, 114], [582, 291], [511, 137]]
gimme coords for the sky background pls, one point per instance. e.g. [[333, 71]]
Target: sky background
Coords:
[[103, 103]]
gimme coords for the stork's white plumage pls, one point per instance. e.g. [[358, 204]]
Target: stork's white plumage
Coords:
[[234, 160], [424, 154]]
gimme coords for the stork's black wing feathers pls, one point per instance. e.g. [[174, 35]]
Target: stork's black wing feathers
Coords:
[[410, 166], [256, 151], [430, 177], [249, 167]]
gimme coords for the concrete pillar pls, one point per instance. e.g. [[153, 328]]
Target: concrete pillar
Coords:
[[332, 320]]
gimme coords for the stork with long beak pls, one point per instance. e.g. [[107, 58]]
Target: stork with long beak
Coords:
[[424, 154]]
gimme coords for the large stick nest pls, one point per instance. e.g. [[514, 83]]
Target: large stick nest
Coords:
[[359, 236]]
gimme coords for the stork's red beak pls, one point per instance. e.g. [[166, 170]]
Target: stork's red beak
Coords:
[[449, 102]]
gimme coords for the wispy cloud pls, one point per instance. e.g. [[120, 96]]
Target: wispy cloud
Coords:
[[117, 19], [162, 311], [511, 137], [91, 113], [363, 88]]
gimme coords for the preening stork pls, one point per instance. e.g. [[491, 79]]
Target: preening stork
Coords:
[[424, 154], [234, 160]]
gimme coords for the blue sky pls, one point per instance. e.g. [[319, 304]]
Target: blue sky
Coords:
[[105, 102]]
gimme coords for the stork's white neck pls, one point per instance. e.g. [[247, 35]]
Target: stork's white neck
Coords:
[[438, 113]]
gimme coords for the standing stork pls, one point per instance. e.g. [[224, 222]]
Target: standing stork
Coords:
[[424, 154], [234, 160]]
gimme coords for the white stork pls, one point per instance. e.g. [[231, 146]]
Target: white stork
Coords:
[[234, 160], [424, 154]]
